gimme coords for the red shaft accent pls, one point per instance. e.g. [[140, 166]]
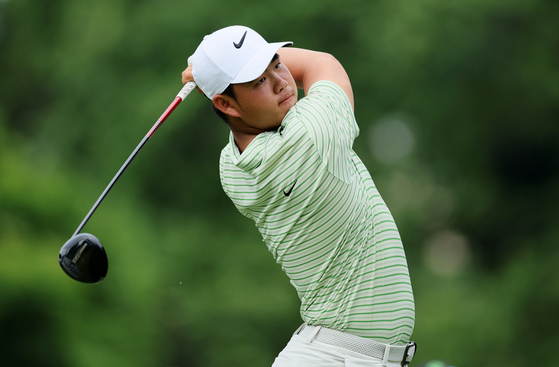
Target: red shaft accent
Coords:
[[164, 116], [170, 109]]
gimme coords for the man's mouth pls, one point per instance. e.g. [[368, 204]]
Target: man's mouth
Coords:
[[286, 100]]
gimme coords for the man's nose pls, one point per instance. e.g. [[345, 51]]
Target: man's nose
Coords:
[[281, 84]]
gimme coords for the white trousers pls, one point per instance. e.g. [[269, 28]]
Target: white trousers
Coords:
[[302, 351]]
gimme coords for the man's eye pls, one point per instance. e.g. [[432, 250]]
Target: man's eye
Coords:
[[260, 81], [278, 65]]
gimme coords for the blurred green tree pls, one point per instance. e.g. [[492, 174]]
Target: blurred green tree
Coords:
[[472, 87]]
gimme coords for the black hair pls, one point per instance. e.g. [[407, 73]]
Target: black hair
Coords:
[[227, 92]]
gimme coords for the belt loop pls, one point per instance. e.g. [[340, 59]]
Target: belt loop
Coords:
[[299, 329], [313, 334], [386, 355]]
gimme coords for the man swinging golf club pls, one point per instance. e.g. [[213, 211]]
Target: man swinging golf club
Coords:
[[290, 167]]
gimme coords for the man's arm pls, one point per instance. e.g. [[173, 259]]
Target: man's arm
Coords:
[[308, 67]]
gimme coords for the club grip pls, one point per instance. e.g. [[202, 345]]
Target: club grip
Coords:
[[185, 91]]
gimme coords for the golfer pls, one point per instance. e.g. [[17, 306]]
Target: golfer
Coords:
[[290, 167]]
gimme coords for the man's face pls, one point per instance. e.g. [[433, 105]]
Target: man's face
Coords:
[[263, 103]]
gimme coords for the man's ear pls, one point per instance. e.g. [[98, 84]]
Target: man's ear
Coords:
[[226, 104]]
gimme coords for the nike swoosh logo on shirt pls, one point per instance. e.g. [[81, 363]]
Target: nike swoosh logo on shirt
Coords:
[[288, 192], [240, 44]]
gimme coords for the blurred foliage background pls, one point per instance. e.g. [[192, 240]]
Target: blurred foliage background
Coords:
[[458, 104]]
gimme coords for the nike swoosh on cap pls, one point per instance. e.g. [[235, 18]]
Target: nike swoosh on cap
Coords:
[[240, 44]]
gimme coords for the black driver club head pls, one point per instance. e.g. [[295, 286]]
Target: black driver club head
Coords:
[[84, 259]]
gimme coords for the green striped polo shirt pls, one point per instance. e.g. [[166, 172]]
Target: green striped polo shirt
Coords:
[[323, 220]]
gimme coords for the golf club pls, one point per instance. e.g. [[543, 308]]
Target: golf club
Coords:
[[83, 257]]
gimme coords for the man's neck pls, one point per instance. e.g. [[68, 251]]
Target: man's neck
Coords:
[[242, 140]]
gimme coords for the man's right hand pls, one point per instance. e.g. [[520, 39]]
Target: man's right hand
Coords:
[[188, 77]]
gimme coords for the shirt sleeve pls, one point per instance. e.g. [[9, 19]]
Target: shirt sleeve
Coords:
[[328, 116]]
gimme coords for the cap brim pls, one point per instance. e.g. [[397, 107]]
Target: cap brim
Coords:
[[258, 63]]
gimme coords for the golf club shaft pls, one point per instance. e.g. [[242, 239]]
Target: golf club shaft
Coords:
[[185, 91]]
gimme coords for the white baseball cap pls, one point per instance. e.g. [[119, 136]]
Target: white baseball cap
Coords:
[[231, 55]]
